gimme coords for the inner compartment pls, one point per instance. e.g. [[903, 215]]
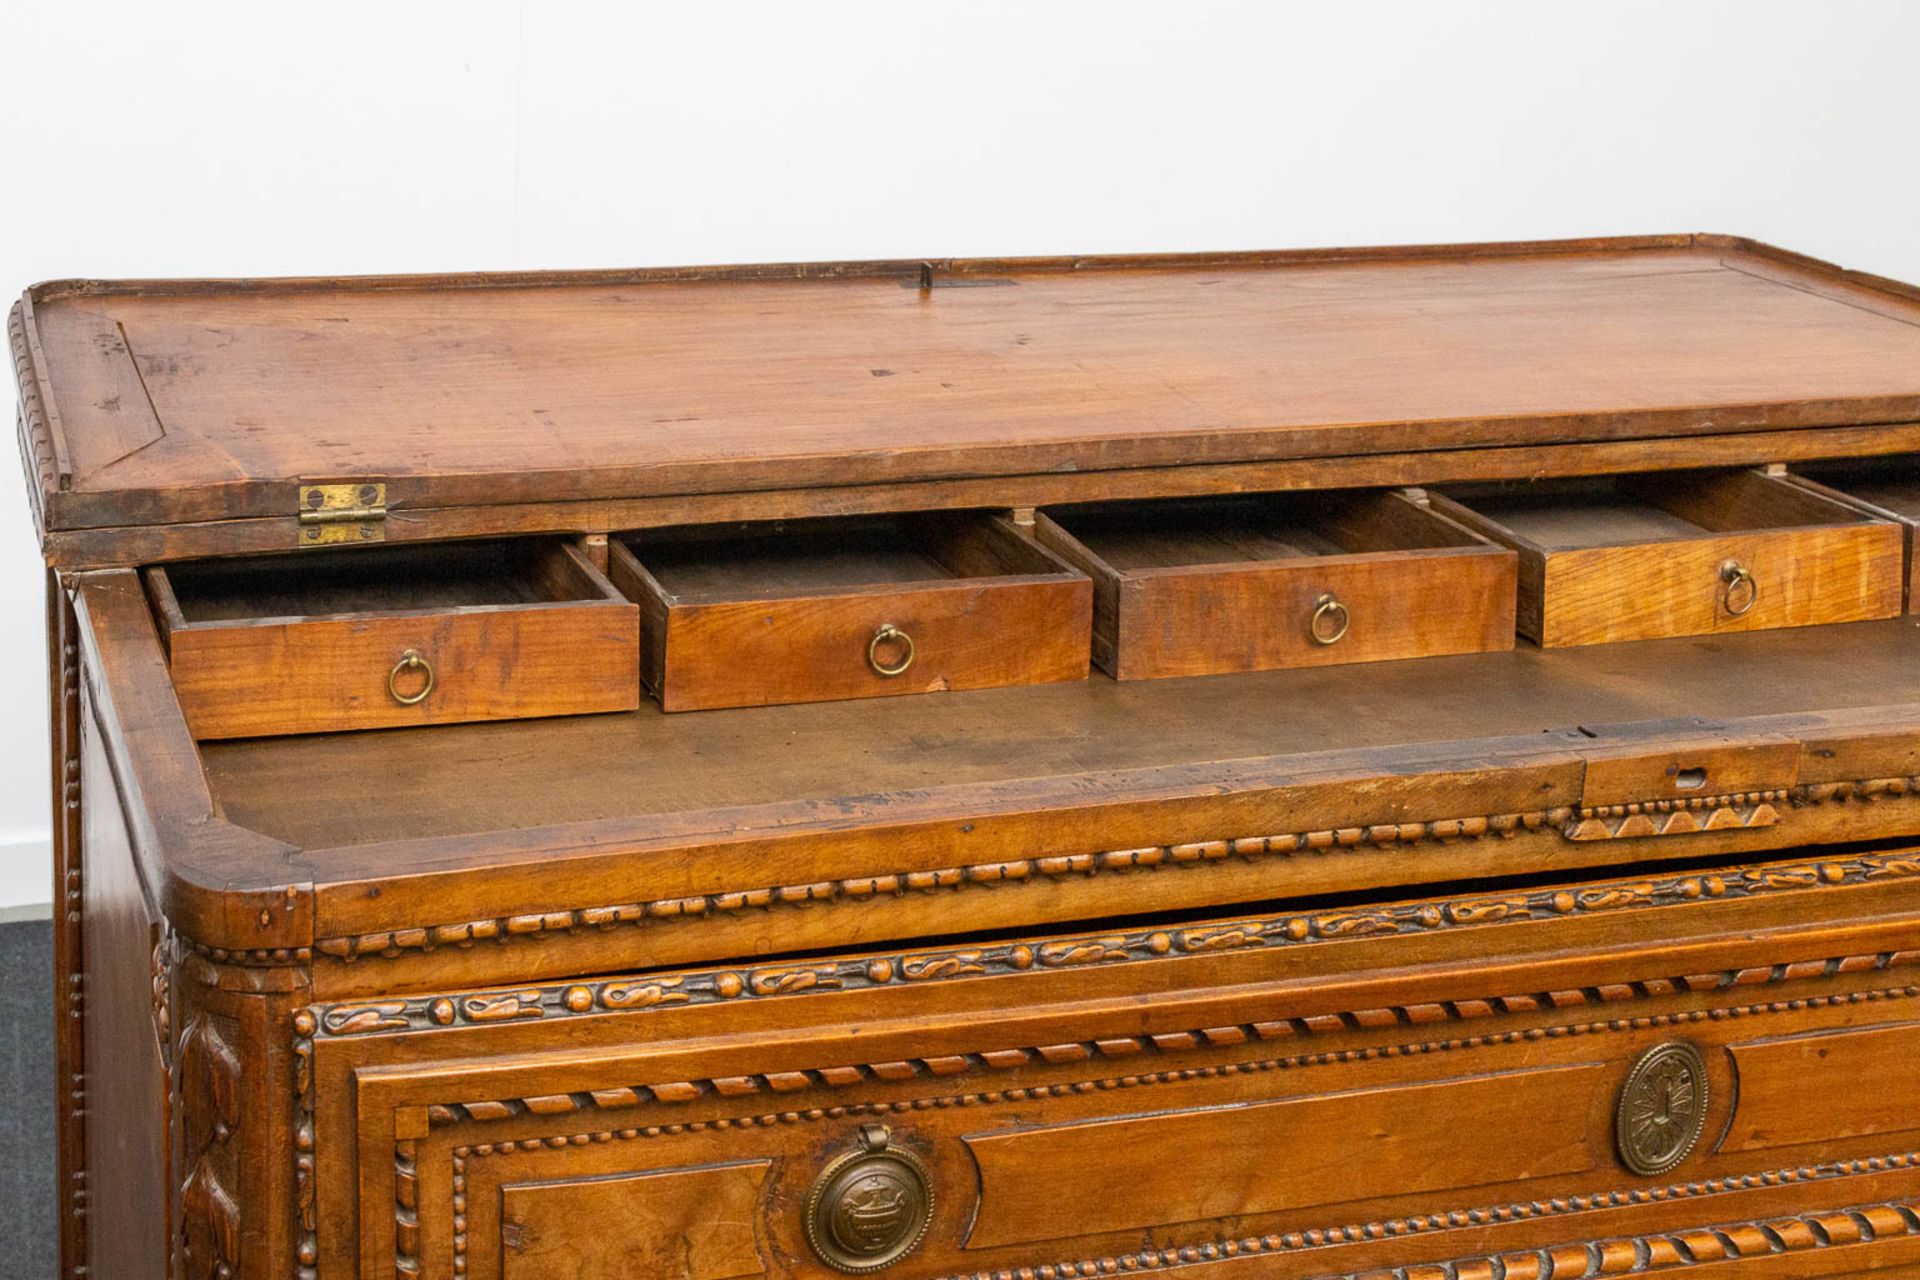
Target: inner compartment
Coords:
[[710, 564], [357, 788], [1259, 527], [388, 579], [1604, 511], [1891, 483]]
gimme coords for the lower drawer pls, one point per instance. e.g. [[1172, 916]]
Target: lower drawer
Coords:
[[1711, 1072]]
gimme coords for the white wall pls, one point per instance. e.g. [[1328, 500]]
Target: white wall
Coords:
[[217, 139]]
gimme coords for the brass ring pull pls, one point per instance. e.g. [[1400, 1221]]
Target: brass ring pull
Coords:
[[1737, 575], [890, 634], [410, 661], [1324, 609]]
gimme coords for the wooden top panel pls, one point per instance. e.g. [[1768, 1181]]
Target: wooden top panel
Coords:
[[198, 401]]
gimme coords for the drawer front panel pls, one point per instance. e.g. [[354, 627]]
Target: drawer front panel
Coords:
[[1801, 578], [964, 636], [1095, 1112], [1184, 1166], [1409, 605]]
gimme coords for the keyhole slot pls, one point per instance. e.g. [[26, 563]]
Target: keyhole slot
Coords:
[[1690, 779]]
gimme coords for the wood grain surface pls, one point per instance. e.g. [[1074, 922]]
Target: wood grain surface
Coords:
[[608, 387]]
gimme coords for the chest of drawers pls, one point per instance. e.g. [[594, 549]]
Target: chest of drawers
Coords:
[[1407, 765]]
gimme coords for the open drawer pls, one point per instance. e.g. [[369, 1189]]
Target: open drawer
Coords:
[[1646, 556], [371, 638], [1282, 580], [1714, 1069], [811, 611], [1885, 488]]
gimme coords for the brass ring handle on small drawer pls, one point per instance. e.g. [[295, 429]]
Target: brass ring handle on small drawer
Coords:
[[410, 661], [1737, 576], [890, 634], [1324, 610], [870, 1206]]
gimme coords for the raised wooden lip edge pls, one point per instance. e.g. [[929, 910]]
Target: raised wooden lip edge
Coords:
[[743, 475]]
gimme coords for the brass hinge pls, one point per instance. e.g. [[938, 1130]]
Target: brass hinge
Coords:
[[336, 513]]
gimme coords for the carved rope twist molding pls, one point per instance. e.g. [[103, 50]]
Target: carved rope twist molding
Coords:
[[1614, 1256], [673, 1093], [431, 1012], [502, 929]]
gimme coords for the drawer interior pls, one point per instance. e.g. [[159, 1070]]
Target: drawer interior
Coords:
[[374, 580], [1143, 536], [824, 610], [724, 563], [1890, 485], [1613, 511], [383, 637]]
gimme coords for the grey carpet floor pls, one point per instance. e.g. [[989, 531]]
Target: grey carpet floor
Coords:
[[26, 1081]]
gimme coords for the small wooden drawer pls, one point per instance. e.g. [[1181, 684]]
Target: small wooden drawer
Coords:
[[1258, 583], [1641, 557], [1885, 488], [379, 637], [811, 611]]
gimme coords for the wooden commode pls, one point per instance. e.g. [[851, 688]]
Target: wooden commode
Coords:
[[1389, 763]]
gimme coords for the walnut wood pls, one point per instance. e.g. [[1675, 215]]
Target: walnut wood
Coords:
[[1335, 970], [1644, 557], [710, 384], [763, 617], [1232, 585], [1887, 489], [261, 648]]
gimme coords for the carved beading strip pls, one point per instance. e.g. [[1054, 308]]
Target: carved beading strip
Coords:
[[37, 448], [502, 929], [1583, 1261], [306, 1188], [1640, 819], [406, 1211], [1128, 1048], [430, 1012]]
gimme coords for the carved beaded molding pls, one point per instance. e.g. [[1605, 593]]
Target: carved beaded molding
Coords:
[[1740, 810], [430, 1012]]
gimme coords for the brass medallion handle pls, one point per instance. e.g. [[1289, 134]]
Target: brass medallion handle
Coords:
[[870, 1206], [1330, 620], [888, 634], [1661, 1110], [410, 661], [1740, 587]]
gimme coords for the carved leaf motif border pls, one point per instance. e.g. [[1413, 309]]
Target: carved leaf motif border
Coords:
[[1743, 809], [623, 995]]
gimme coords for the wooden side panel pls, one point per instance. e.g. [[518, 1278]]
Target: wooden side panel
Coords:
[[128, 1172], [69, 1034], [331, 674], [1879, 1068], [1184, 1166], [1803, 576], [690, 1224], [968, 635]]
